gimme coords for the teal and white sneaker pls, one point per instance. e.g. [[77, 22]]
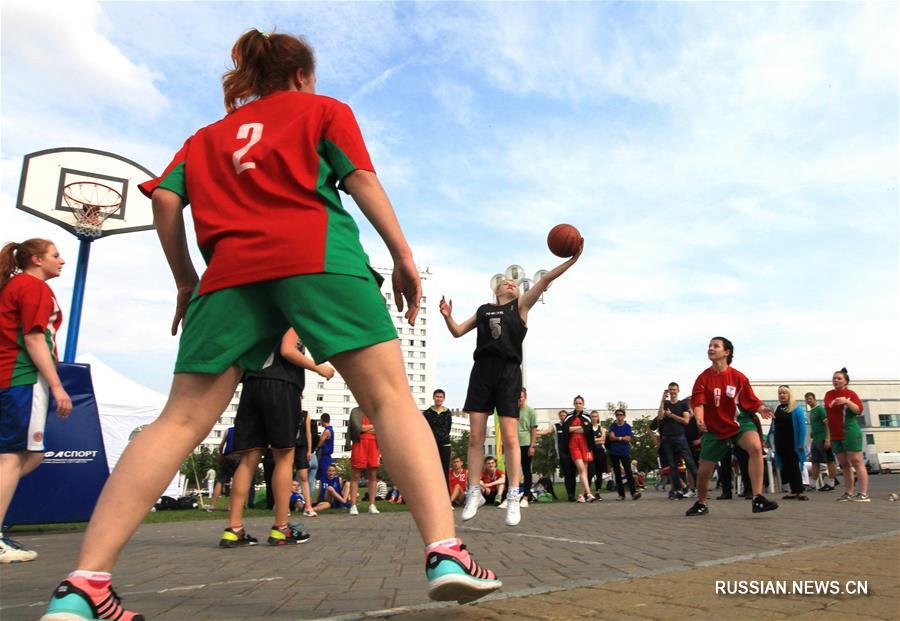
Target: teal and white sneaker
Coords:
[[860, 497], [14, 552], [453, 575], [845, 497]]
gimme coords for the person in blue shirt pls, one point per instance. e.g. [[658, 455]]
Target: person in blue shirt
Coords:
[[619, 438]]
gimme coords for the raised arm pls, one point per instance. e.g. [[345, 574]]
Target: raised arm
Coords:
[[169, 221], [456, 329], [372, 200], [531, 297]]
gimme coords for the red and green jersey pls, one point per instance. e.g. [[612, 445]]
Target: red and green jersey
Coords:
[[263, 187], [720, 394], [27, 304], [840, 418]]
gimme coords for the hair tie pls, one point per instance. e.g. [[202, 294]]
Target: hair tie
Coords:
[[265, 34]]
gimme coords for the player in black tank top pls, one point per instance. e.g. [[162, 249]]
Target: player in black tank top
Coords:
[[496, 378]]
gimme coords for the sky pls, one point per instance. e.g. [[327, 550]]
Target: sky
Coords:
[[733, 168]]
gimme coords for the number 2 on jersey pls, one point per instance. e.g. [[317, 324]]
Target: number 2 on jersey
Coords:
[[254, 132]]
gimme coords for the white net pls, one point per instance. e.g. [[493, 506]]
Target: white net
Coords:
[[91, 204]]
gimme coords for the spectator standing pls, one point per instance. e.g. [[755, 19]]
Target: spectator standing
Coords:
[[600, 463], [579, 438], [325, 447], [527, 444], [844, 407], [364, 457], [787, 436], [820, 444], [619, 438], [671, 420], [440, 420], [302, 457]]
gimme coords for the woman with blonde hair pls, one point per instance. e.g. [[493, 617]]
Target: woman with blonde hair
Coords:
[[787, 436], [29, 320]]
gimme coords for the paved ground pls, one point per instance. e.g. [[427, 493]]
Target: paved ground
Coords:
[[641, 560]]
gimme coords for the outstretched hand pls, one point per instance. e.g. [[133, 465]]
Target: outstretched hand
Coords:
[[446, 307], [407, 286]]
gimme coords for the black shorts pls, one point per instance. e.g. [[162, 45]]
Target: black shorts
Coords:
[[818, 454], [300, 460], [226, 469], [494, 383], [267, 416]]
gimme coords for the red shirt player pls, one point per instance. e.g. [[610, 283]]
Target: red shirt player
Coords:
[[843, 407], [717, 395]]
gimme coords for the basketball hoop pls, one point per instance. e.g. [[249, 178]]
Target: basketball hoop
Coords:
[[91, 203]]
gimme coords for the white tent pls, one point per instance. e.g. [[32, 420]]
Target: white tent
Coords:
[[124, 406]]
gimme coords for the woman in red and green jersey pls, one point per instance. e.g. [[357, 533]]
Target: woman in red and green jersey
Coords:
[[843, 407], [719, 392], [29, 319], [281, 252]]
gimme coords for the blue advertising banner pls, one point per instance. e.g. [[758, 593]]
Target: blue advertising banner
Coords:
[[65, 487]]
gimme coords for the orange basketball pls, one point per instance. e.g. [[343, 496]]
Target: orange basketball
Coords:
[[563, 240]]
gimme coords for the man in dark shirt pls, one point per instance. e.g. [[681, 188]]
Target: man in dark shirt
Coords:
[[440, 420], [671, 420]]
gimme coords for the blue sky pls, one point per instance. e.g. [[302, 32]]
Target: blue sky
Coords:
[[733, 168]]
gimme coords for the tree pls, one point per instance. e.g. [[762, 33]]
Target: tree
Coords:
[[197, 464], [643, 449], [545, 460], [460, 447], [612, 407]]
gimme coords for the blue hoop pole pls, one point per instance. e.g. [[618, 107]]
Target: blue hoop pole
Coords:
[[84, 253]]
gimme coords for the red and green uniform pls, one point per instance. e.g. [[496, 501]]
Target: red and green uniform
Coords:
[[280, 248], [262, 183], [721, 394], [817, 422], [27, 304], [846, 435]]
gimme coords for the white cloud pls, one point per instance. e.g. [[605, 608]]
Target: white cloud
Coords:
[[62, 43]]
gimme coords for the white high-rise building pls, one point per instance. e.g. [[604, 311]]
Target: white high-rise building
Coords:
[[333, 396]]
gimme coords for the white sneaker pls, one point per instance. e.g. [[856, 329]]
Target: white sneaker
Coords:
[[523, 502], [373, 509], [513, 515], [502, 505], [474, 500], [354, 510], [690, 494], [13, 552], [309, 512]]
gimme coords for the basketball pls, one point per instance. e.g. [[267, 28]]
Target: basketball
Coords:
[[563, 240]]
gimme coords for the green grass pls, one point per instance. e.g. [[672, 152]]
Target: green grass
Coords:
[[221, 513], [188, 515]]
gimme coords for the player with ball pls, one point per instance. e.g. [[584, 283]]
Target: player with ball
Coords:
[[496, 378]]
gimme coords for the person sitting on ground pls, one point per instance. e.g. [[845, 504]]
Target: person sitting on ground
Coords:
[[334, 493], [297, 501], [458, 477], [492, 481]]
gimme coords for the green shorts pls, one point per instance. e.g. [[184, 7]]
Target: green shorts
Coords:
[[241, 326], [714, 449], [850, 444]]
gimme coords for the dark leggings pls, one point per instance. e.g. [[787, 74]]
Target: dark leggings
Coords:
[[625, 462], [526, 470], [790, 471], [567, 466], [444, 451]]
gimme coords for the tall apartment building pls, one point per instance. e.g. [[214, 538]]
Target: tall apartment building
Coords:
[[333, 396]]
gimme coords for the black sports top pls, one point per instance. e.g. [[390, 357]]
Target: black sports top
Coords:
[[500, 332]]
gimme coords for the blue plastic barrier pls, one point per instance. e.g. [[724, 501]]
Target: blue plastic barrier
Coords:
[[66, 486]]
